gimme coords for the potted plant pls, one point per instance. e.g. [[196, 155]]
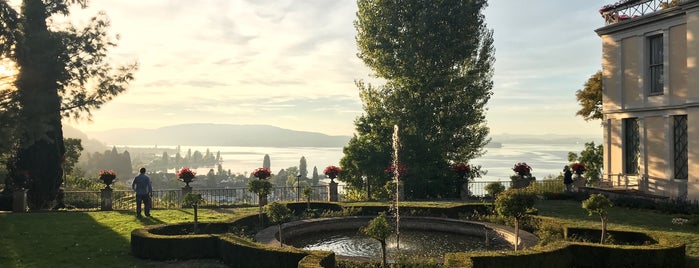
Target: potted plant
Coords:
[[578, 169], [107, 176], [186, 175], [466, 173], [524, 175], [332, 172]]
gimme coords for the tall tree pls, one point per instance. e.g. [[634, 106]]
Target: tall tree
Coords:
[[303, 168], [62, 72], [435, 57], [266, 162], [590, 98]]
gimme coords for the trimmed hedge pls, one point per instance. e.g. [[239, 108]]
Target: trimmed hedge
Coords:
[[170, 242], [579, 255]]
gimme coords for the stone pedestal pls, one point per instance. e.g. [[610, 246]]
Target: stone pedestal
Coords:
[[106, 203], [263, 200], [465, 191], [19, 201], [578, 181], [333, 196]]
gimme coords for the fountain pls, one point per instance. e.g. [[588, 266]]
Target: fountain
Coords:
[[396, 179]]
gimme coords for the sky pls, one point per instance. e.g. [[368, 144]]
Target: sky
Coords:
[[293, 64]]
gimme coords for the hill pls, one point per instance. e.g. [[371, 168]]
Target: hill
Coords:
[[219, 135]]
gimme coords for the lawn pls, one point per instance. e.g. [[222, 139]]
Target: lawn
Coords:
[[101, 239], [85, 239]]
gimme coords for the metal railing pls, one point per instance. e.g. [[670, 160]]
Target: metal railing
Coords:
[[126, 199], [628, 9], [168, 199]]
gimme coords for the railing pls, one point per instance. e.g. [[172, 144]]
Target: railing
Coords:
[[126, 199], [628, 9], [168, 199], [621, 180]]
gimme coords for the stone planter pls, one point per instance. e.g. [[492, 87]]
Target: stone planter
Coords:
[[19, 200]]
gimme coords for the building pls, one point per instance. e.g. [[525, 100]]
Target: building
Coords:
[[650, 78]]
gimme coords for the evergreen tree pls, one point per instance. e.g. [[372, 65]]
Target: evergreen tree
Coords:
[[436, 60], [303, 168], [316, 177], [266, 162], [62, 72]]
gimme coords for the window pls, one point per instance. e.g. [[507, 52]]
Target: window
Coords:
[[631, 145], [680, 145], [655, 64]]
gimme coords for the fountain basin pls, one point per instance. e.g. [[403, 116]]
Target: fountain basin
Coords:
[[330, 227]]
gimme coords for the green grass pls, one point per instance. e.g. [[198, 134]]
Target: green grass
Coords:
[[102, 239], [571, 213], [84, 239]]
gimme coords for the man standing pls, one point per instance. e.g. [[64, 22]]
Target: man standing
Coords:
[[143, 188]]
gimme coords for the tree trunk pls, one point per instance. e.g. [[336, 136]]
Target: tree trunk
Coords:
[[41, 147], [604, 230], [383, 254], [516, 234], [280, 235]]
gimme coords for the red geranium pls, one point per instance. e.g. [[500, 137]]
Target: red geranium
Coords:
[[186, 173], [578, 168], [461, 168], [262, 173], [401, 169], [522, 169], [107, 173], [332, 171]]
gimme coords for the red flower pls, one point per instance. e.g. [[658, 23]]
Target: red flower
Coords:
[[522, 169], [186, 173], [262, 173], [579, 168], [401, 169], [332, 171], [461, 168], [107, 172]]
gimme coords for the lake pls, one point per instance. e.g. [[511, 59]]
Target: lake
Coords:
[[545, 159]]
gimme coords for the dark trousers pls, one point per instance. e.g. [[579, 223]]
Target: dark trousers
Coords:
[[145, 199]]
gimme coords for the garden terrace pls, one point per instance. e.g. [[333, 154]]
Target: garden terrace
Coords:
[[629, 9]]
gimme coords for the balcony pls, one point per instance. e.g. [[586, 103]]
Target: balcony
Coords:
[[629, 9]]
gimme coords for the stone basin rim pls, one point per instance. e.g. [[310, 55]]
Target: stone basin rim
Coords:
[[268, 236]]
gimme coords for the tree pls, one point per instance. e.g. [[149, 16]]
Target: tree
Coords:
[[193, 200], [73, 150], [590, 98], [62, 72], [262, 188], [266, 162], [600, 205], [316, 177], [436, 60], [379, 229], [307, 193], [278, 214], [494, 189], [592, 156], [303, 168], [515, 203]]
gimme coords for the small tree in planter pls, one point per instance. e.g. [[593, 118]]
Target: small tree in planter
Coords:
[[515, 203], [379, 229], [278, 214], [193, 200], [598, 204], [494, 189], [262, 188], [307, 193]]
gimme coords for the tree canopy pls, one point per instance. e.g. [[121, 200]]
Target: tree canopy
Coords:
[[435, 58], [590, 98], [63, 71]]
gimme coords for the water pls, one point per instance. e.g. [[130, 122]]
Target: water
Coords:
[[413, 243], [545, 159]]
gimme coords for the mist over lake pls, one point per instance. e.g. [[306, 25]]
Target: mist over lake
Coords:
[[545, 159]]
